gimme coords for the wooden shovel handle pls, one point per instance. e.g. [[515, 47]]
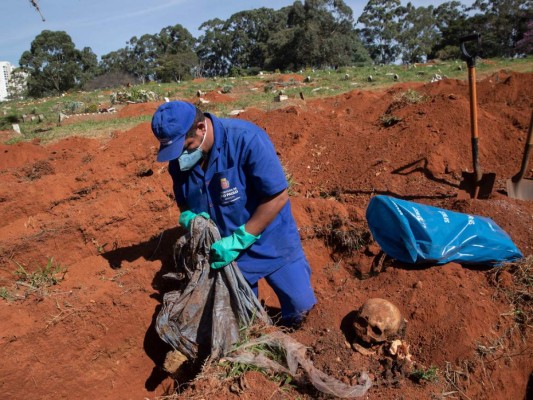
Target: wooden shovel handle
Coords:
[[473, 122]]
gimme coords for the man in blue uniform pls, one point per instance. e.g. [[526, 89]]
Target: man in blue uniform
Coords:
[[228, 170]]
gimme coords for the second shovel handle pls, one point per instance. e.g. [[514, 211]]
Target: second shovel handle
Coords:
[[527, 149]]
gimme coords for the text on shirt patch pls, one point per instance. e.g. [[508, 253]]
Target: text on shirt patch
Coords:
[[228, 195]]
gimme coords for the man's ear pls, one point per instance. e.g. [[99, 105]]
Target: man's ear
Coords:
[[202, 125]]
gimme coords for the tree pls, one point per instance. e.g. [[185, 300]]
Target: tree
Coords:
[[214, 48], [166, 56], [502, 24], [319, 33], [248, 33], [176, 67], [116, 61], [142, 56], [88, 64], [525, 44], [418, 33], [175, 55], [54, 64], [280, 52], [315, 33], [138, 58], [452, 23], [381, 23]]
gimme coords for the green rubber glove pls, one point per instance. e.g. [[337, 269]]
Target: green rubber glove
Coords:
[[186, 218], [227, 249]]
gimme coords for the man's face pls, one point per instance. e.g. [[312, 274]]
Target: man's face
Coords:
[[193, 142]]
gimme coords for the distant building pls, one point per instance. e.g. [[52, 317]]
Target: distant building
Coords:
[[5, 74]]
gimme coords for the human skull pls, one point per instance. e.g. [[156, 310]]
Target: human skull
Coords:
[[378, 320]]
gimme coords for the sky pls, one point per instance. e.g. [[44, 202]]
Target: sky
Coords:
[[106, 25]]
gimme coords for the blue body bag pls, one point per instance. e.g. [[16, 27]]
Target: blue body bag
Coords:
[[416, 233]]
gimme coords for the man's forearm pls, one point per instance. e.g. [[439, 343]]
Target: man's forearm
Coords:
[[266, 212]]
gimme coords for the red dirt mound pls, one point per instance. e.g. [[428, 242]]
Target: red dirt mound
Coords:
[[133, 110], [289, 77], [217, 97], [104, 211]]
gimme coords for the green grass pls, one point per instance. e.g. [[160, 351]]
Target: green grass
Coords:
[[104, 128], [34, 281], [410, 97], [520, 293], [247, 336], [342, 236], [290, 180], [5, 294], [323, 83], [430, 374], [48, 275]]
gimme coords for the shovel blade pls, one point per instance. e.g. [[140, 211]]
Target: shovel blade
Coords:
[[471, 188], [521, 189]]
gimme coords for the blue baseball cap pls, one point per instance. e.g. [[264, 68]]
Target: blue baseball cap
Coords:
[[170, 124]]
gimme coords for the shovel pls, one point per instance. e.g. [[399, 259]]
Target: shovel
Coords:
[[517, 187], [475, 185]]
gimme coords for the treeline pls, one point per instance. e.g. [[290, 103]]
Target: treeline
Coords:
[[310, 33]]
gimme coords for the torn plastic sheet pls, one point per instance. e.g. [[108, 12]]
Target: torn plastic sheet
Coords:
[[295, 354], [205, 315]]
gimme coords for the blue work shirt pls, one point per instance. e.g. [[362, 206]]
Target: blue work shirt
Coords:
[[243, 169]]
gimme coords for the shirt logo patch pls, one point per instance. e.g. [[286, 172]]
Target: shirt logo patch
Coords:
[[229, 195], [224, 184]]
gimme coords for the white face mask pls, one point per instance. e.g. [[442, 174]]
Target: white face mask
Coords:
[[189, 158]]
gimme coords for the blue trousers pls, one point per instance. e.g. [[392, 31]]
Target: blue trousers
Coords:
[[292, 285]]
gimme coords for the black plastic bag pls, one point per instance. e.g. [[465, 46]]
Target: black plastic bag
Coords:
[[203, 317]]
